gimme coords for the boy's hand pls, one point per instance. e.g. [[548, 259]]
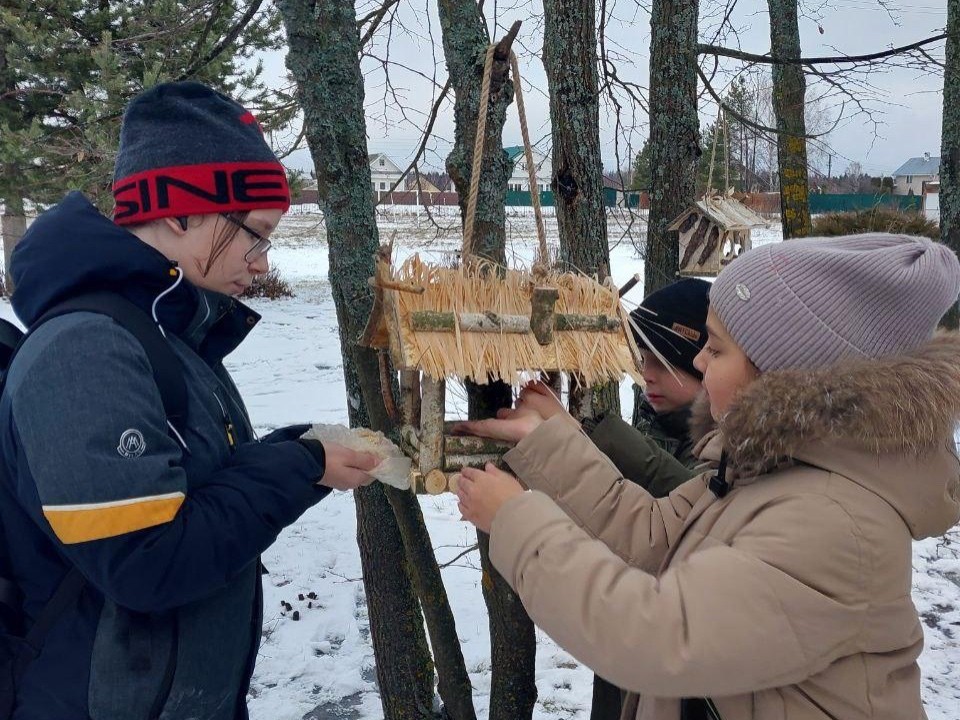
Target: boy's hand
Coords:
[[347, 469], [483, 492]]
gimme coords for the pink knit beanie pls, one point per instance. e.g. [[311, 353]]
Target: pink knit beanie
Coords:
[[811, 302]]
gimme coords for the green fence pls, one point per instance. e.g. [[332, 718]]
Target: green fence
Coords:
[[846, 203], [818, 203], [611, 198]]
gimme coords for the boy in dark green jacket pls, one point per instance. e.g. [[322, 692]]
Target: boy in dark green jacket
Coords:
[[673, 321]]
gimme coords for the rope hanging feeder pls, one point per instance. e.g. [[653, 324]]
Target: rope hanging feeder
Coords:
[[482, 322]]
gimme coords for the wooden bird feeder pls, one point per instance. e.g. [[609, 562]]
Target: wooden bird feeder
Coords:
[[713, 232], [482, 322]]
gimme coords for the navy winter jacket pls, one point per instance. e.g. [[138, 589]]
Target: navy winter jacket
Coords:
[[168, 540]]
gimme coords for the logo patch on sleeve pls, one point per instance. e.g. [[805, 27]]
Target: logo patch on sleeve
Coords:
[[132, 444]]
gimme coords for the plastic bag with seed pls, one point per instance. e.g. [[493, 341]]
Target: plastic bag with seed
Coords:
[[395, 468]]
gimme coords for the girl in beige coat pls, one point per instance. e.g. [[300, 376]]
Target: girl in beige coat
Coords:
[[776, 585]]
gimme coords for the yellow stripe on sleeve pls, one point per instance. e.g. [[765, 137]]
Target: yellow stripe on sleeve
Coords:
[[96, 521]]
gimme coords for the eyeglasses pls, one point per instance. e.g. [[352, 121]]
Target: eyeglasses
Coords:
[[261, 245]]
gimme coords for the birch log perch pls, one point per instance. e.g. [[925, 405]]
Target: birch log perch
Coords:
[[596, 323], [470, 445], [431, 321]]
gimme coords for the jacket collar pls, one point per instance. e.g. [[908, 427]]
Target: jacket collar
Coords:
[[905, 404], [72, 249]]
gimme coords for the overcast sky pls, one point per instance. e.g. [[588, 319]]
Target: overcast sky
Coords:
[[906, 103]]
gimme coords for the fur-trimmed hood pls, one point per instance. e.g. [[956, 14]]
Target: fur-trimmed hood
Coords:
[[888, 424]]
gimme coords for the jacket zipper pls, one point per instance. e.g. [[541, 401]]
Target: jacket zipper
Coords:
[[228, 426], [712, 709]]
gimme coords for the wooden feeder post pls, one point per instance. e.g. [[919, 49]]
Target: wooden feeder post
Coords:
[[433, 395], [410, 397]]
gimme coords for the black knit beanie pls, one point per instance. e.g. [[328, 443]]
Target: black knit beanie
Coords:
[[186, 149], [674, 320]]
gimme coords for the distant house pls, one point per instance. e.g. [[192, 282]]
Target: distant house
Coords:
[[384, 173], [519, 178], [931, 200], [616, 195], [422, 185], [308, 195], [909, 178]]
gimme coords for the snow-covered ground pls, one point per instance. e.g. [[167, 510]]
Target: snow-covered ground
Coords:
[[321, 667]]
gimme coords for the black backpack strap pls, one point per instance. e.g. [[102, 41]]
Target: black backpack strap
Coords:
[[63, 598], [9, 603], [168, 375], [167, 369], [10, 339]]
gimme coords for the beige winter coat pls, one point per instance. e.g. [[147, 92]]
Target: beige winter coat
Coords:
[[787, 599]]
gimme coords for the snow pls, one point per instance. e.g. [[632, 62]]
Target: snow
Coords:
[[322, 666]]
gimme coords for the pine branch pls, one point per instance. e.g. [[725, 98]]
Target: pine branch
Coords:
[[227, 40]]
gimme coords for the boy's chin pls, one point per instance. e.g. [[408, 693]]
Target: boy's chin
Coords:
[[659, 404]]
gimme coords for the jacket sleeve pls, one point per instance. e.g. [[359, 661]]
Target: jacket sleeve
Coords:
[[639, 457], [772, 609], [559, 460], [92, 436]]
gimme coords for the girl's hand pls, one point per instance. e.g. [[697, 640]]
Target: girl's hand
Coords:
[[509, 425], [483, 492], [541, 399]]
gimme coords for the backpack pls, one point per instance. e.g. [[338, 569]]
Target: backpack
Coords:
[[19, 645]]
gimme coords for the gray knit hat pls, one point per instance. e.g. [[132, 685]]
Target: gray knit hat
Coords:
[[808, 303], [186, 149]]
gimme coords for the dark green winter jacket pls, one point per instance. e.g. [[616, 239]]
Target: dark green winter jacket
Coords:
[[658, 455]]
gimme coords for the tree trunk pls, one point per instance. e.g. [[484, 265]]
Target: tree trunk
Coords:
[[789, 91], [570, 59], [513, 690], [674, 133], [323, 57], [453, 682], [13, 224], [950, 151]]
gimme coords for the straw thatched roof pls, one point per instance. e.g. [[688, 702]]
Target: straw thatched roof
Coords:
[[725, 212], [417, 290]]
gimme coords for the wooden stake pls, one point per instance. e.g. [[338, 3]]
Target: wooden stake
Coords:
[[410, 397], [543, 317], [629, 285]]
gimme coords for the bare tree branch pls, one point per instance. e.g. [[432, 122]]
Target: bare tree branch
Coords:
[[374, 18], [434, 111], [837, 60]]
